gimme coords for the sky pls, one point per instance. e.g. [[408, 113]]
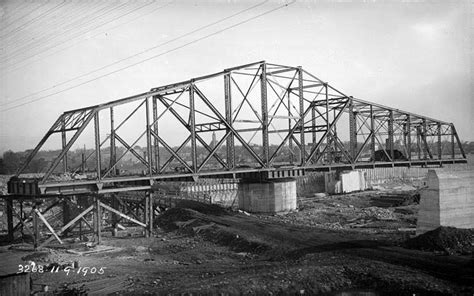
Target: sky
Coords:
[[411, 55]]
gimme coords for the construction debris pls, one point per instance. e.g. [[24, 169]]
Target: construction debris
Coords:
[[449, 240]]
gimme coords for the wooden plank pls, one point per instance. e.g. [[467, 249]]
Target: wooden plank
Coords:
[[98, 220], [22, 222], [121, 214], [48, 226], [72, 222]]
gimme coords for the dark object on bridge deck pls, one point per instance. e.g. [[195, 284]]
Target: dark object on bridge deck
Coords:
[[380, 155]]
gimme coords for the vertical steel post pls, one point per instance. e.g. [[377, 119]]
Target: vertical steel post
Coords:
[[404, 133], [113, 154], [440, 152], [66, 213], [335, 132], [453, 151], [228, 117], [35, 225], [83, 162], [151, 212], [63, 138], [21, 216], [9, 201], [418, 140], [408, 136], [155, 129], [290, 140], [459, 143], [148, 137], [313, 125], [147, 214], [390, 135], [97, 219], [301, 105], [263, 88], [97, 144], [372, 134], [352, 131], [80, 229], [115, 218], [423, 138], [328, 134], [192, 123]]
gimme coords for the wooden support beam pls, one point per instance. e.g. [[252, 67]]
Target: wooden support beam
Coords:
[[21, 215], [66, 211], [35, 230], [87, 223], [147, 214], [151, 212], [72, 222], [48, 226], [30, 216], [126, 206], [121, 214], [115, 205], [22, 222], [10, 219], [97, 219]]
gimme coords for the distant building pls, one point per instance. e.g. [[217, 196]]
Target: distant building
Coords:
[[214, 140]]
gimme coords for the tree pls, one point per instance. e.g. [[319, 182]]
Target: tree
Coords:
[[11, 162]]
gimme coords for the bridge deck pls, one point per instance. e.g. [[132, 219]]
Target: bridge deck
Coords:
[[30, 187]]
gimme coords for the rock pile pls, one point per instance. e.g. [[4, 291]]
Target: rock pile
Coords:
[[375, 213], [168, 219], [449, 240]]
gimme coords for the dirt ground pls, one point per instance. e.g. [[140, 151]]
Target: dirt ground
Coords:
[[349, 244]]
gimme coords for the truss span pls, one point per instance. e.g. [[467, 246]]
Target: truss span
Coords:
[[259, 120]]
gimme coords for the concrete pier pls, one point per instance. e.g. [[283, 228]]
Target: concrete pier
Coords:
[[345, 182], [271, 196], [448, 200]]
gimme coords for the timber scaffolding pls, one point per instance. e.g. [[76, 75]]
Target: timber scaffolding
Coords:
[[256, 121]]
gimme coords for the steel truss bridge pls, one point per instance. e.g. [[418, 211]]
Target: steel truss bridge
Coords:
[[256, 121], [259, 120]]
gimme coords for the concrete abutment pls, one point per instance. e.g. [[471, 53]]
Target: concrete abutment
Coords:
[[448, 200], [270, 196]]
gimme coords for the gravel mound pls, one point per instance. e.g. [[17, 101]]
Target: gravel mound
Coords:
[[450, 240], [168, 219], [200, 221], [187, 210], [375, 213]]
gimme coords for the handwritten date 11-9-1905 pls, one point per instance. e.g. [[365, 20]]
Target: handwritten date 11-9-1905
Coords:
[[83, 270]]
